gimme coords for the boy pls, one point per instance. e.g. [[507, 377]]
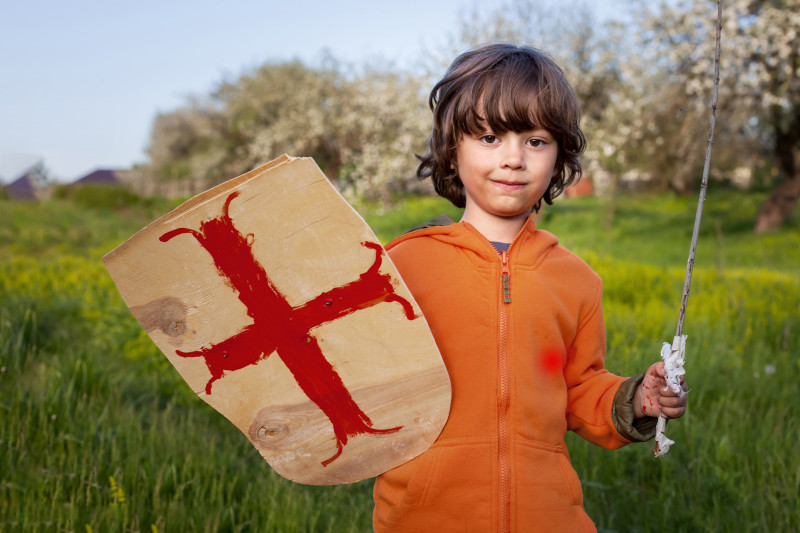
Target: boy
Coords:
[[517, 318]]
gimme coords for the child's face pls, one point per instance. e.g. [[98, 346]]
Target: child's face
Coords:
[[505, 174]]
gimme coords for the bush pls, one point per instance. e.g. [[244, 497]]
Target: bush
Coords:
[[100, 196]]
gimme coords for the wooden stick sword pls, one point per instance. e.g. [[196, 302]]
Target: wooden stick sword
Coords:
[[673, 355]]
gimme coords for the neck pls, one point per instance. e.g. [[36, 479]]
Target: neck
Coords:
[[497, 229]]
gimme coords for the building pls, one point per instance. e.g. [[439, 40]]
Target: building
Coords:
[[23, 188], [99, 177]]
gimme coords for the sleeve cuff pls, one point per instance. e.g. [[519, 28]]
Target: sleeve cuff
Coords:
[[624, 418]]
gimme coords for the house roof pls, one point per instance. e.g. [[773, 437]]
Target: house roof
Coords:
[[99, 177], [22, 188]]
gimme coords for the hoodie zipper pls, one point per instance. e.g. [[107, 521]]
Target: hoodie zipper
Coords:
[[504, 399], [504, 394], [506, 278]]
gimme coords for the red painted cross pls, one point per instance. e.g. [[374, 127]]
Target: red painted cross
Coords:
[[279, 327]]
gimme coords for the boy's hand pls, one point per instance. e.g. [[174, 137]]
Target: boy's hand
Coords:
[[653, 397]]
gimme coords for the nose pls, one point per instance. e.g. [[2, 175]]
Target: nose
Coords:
[[513, 157]]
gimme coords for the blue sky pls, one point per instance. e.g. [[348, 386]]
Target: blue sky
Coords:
[[83, 79]]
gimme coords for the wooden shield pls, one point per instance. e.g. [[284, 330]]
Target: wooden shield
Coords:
[[279, 307]]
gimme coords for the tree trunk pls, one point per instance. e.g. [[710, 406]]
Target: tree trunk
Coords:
[[779, 205]]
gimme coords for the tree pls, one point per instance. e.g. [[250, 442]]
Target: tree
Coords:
[[760, 86], [361, 126], [184, 144], [770, 31]]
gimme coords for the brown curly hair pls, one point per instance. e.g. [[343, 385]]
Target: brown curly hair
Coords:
[[516, 88]]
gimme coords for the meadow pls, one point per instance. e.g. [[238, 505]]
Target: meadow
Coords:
[[99, 433]]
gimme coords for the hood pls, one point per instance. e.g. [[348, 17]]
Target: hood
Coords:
[[530, 246]]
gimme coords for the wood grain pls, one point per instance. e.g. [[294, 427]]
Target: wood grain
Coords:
[[295, 229]]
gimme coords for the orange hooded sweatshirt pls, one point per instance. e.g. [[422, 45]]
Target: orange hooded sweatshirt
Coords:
[[523, 339]]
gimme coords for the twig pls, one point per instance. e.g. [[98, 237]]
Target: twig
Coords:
[[676, 350]]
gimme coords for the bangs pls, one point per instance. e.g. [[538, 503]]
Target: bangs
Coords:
[[512, 96]]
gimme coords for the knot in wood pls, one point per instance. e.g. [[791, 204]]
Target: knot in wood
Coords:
[[270, 431]]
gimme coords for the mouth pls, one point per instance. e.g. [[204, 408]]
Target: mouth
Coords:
[[508, 185]]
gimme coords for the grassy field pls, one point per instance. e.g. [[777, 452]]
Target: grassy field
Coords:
[[99, 433]]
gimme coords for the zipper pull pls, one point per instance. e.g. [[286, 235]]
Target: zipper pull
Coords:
[[506, 277]]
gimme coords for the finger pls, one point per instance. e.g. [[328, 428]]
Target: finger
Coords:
[[671, 402], [667, 392], [673, 412]]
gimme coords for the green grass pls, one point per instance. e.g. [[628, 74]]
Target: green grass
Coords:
[[100, 433], [55, 228], [658, 230]]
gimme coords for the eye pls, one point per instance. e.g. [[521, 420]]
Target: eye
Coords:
[[489, 139], [536, 143]]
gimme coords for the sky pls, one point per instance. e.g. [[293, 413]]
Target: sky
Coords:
[[82, 80]]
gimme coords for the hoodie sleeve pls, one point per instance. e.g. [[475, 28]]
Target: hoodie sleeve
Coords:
[[591, 389]]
